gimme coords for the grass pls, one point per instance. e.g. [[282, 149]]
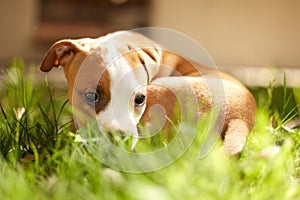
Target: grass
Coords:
[[41, 160]]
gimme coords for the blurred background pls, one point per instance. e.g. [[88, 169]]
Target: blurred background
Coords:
[[255, 41]]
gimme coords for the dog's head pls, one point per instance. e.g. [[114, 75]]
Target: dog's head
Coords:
[[107, 77]]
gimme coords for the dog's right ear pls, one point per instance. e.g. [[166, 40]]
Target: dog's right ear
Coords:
[[60, 54]]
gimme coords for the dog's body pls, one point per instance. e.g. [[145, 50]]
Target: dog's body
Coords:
[[128, 70]]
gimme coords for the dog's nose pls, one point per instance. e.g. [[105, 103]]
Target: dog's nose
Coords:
[[117, 135]]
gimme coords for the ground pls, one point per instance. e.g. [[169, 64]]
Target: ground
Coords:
[[40, 158]]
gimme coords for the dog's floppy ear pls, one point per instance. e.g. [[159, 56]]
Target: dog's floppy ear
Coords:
[[60, 54]]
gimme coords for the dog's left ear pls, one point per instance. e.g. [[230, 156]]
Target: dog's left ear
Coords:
[[60, 54]]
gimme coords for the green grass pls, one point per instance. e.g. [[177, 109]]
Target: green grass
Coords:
[[268, 167]]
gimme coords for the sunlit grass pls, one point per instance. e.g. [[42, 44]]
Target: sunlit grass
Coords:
[[41, 160]]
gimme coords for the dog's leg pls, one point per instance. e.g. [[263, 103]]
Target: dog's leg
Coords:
[[235, 136]]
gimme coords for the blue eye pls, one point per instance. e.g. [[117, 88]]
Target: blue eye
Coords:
[[91, 98], [139, 100]]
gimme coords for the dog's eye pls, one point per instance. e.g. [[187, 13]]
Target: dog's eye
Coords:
[[139, 100], [91, 98]]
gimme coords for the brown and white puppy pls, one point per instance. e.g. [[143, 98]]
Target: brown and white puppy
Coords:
[[119, 77]]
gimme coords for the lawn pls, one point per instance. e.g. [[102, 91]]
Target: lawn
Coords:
[[40, 158]]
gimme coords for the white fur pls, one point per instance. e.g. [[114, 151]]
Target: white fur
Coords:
[[119, 113]]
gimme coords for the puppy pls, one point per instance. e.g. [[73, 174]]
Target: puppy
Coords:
[[119, 77]]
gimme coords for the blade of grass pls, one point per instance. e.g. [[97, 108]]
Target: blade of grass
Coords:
[[5, 116]]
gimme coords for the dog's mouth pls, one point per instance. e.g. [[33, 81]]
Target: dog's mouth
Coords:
[[92, 132], [121, 138]]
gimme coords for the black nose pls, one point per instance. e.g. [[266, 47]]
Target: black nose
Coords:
[[114, 135]]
